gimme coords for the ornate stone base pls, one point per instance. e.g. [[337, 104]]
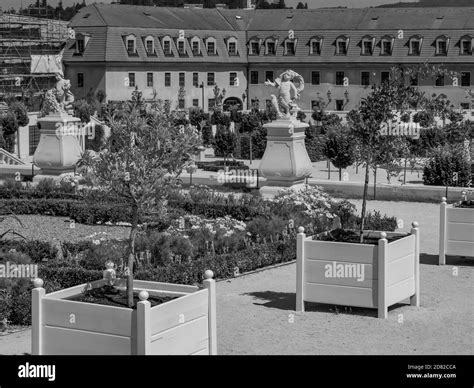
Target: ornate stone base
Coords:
[[285, 162], [58, 150]]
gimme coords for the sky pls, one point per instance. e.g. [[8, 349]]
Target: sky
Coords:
[[7, 4]]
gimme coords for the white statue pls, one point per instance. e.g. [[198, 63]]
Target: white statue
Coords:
[[285, 103]]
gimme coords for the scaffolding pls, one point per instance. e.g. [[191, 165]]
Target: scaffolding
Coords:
[[26, 43]]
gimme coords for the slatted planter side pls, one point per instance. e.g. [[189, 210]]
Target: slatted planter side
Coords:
[[390, 272], [456, 231], [186, 325]]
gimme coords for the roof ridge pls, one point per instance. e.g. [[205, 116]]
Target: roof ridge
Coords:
[[99, 13]]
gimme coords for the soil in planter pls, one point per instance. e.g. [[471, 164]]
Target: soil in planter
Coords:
[[109, 296], [350, 236], [465, 204]]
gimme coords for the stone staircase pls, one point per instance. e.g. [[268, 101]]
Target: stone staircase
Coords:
[[12, 166]]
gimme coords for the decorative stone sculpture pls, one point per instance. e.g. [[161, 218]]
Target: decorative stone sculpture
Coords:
[[58, 150], [285, 162], [59, 99], [285, 103]]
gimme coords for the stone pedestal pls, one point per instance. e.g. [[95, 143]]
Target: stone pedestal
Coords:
[[285, 162], [58, 150]]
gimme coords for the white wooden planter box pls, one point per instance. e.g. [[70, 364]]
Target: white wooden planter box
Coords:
[[391, 272], [186, 325], [456, 231]]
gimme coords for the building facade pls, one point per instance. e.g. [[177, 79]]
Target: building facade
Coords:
[[180, 54]]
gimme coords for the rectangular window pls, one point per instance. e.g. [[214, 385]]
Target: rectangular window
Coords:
[[342, 47], [167, 47], [80, 46], [210, 79], [365, 78], [466, 47], [339, 105], [315, 78], [271, 48], [80, 80], [269, 76], [181, 103], [149, 80], [254, 77], [195, 102], [339, 78], [167, 79], [290, 48], [131, 46], [196, 79], [316, 47], [149, 46], [182, 79], [386, 48], [384, 76], [34, 138], [254, 48], [442, 46], [232, 48], [131, 80], [439, 80], [465, 78], [196, 48], [211, 48], [367, 48], [232, 79], [181, 50], [211, 103], [415, 47]]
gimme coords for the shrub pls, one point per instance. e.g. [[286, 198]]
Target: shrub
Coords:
[[447, 164]]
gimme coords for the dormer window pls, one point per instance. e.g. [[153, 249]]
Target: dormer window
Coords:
[[442, 44], [386, 45], [315, 45], [211, 46], [131, 44], [342, 44], [80, 45], [149, 45], [415, 43], [166, 42], [232, 46], [368, 43], [196, 46], [466, 44], [270, 46], [181, 47], [290, 47], [254, 46]]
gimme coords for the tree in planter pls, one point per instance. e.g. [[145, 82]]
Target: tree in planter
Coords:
[[381, 106], [251, 123], [449, 166], [225, 142], [140, 162], [339, 149]]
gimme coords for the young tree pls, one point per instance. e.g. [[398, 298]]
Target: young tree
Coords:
[[251, 123], [141, 160], [381, 106], [14, 117], [339, 149], [225, 142]]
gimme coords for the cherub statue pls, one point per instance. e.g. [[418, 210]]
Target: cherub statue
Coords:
[[284, 83], [59, 99]]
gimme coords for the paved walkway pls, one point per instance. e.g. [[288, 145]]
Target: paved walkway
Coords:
[[255, 313]]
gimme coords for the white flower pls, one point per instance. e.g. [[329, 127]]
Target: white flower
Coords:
[[96, 242]]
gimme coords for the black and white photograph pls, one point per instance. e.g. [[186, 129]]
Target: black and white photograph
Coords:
[[236, 178]]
